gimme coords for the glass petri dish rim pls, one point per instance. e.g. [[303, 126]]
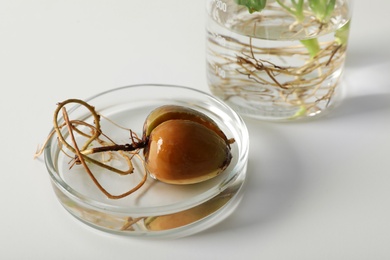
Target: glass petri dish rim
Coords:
[[243, 143]]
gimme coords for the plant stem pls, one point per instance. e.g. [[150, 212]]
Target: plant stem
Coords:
[[312, 46], [297, 11], [342, 34], [116, 147], [322, 9]]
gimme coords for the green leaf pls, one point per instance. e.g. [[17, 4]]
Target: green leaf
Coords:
[[252, 5]]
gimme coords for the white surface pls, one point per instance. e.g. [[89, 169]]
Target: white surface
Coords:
[[317, 190]]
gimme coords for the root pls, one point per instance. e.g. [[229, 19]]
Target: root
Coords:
[[94, 135], [255, 74], [129, 223], [281, 85]]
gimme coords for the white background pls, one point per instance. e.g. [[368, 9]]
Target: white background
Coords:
[[316, 190]]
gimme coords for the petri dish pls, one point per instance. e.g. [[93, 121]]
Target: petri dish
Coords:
[[156, 209]]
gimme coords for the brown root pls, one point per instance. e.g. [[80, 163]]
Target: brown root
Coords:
[[255, 74], [82, 154]]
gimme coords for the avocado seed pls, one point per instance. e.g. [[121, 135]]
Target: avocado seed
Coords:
[[184, 146]]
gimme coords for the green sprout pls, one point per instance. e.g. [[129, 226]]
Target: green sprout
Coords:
[[322, 9], [342, 34]]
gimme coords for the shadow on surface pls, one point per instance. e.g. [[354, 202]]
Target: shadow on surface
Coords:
[[274, 178], [275, 175], [361, 58], [362, 105]]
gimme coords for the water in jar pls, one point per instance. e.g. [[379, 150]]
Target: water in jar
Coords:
[[269, 65]]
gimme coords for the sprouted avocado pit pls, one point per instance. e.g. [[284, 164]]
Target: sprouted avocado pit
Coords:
[[180, 145]]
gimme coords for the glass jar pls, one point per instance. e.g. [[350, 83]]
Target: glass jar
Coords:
[[277, 59]]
